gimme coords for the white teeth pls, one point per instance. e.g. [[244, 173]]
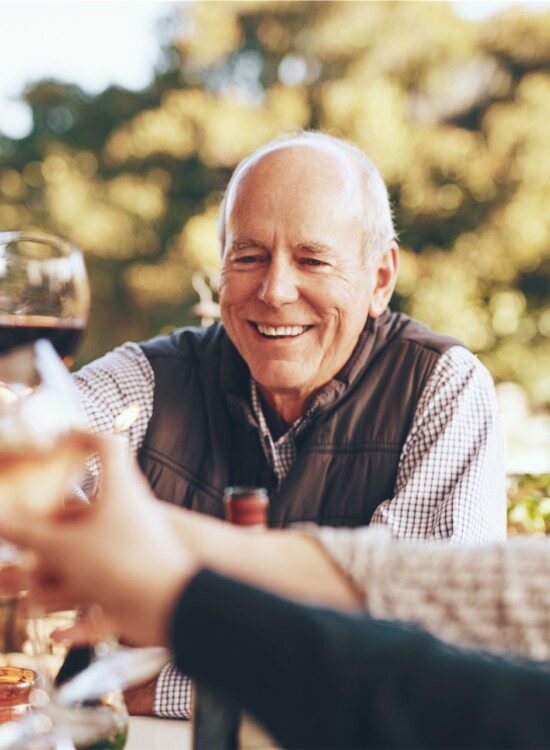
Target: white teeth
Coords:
[[281, 330]]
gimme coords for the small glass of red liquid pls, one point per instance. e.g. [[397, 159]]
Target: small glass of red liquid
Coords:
[[16, 684]]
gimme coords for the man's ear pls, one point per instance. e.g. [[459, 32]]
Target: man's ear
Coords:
[[386, 276]]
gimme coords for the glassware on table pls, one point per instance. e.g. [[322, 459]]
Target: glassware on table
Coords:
[[73, 715], [44, 303], [16, 684], [44, 292], [39, 465]]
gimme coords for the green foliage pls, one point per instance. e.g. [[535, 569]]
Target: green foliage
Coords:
[[529, 504], [454, 113]]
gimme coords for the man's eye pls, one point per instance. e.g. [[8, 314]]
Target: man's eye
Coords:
[[244, 259], [312, 262]]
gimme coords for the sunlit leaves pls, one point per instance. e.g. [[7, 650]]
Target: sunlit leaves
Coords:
[[454, 113], [520, 38], [209, 32], [220, 130], [198, 241], [529, 504]]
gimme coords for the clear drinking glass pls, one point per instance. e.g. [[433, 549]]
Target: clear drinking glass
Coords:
[[44, 292], [39, 464]]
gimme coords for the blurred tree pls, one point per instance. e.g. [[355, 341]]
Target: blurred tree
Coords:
[[454, 113], [529, 504]]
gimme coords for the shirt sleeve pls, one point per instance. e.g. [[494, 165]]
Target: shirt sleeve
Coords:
[[451, 474], [106, 387], [109, 385], [491, 596], [173, 694]]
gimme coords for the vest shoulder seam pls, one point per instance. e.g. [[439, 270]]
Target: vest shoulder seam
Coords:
[[189, 356], [351, 522], [182, 471], [426, 345], [353, 448]]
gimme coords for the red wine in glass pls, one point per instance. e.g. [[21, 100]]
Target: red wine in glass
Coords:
[[64, 335], [44, 292]]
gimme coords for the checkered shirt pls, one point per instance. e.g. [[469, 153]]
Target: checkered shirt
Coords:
[[281, 453], [450, 480]]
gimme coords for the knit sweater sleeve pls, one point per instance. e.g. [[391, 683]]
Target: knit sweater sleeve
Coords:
[[492, 596]]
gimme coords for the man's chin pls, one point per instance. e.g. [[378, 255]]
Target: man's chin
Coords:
[[283, 377]]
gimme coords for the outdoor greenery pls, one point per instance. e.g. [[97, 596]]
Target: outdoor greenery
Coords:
[[454, 113], [529, 504]]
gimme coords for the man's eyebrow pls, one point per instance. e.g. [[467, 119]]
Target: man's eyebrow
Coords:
[[245, 243], [319, 248]]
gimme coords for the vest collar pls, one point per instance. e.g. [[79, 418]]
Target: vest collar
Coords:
[[235, 374]]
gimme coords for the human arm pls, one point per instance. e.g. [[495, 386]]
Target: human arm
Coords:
[[97, 554], [495, 596], [286, 562], [119, 552], [318, 678], [451, 478], [313, 677]]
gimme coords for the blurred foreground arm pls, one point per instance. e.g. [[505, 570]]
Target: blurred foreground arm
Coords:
[[286, 562], [319, 678], [496, 595], [314, 678]]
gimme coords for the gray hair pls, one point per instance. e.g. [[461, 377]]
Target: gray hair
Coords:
[[379, 228]]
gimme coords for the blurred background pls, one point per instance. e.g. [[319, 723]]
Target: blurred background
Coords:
[[120, 124]]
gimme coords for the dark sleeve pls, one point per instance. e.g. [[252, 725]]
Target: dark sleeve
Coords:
[[320, 678]]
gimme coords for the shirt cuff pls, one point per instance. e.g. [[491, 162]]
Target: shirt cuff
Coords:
[[173, 694], [360, 554]]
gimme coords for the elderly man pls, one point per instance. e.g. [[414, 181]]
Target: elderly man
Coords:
[[349, 414]]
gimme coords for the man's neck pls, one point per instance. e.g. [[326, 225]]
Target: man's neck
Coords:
[[281, 410]]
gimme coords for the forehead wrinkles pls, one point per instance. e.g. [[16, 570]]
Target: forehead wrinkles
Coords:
[[302, 169]]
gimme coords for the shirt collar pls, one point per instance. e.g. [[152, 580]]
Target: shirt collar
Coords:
[[235, 373], [259, 413]]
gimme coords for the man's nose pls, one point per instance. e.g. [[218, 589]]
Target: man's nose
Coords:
[[279, 284]]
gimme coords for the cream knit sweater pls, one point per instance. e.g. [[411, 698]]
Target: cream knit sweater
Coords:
[[496, 596]]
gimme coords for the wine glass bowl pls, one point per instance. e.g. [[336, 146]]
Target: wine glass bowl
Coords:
[[44, 292]]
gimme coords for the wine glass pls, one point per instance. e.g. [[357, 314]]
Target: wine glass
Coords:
[[39, 464], [44, 292]]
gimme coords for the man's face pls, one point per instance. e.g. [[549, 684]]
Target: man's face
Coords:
[[295, 289]]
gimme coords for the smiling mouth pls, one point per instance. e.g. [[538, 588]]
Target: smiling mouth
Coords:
[[279, 332]]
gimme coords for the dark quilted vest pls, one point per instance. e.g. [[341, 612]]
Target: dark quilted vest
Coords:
[[203, 435]]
